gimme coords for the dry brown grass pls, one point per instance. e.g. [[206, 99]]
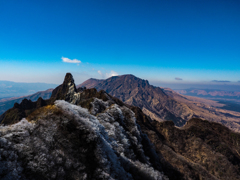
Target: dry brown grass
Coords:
[[44, 112]]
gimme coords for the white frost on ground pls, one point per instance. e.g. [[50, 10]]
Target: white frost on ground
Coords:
[[43, 148], [113, 138]]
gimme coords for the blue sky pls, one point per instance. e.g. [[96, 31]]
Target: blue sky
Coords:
[[163, 40]]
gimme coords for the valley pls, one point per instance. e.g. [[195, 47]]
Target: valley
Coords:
[[230, 99]]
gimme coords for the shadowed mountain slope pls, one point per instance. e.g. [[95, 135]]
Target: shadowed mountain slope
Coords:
[[200, 149], [90, 83]]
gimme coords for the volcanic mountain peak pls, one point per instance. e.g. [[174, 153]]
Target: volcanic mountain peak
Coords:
[[128, 80], [152, 100]]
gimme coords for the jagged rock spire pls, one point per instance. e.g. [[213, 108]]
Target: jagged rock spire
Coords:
[[65, 90], [68, 79]]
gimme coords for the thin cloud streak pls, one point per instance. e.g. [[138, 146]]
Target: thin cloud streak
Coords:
[[107, 75], [221, 81], [67, 60], [178, 79]]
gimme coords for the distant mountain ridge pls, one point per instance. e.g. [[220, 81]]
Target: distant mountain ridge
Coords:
[[162, 104], [15, 89], [8, 103], [209, 93]]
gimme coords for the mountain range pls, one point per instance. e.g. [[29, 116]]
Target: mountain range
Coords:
[[159, 103], [83, 133], [163, 103]]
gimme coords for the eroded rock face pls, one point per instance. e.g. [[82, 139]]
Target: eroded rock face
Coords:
[[69, 142]]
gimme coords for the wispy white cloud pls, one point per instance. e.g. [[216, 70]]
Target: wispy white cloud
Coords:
[[67, 60], [112, 73], [99, 72], [108, 74]]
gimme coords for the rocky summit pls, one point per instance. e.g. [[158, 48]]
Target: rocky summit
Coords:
[[87, 134]]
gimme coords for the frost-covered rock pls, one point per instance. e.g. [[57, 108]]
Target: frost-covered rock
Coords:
[[75, 143]]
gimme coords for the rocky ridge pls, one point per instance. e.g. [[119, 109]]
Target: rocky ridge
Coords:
[[97, 136], [62, 140]]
